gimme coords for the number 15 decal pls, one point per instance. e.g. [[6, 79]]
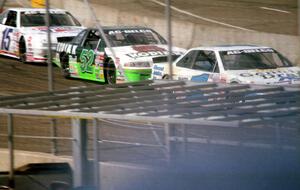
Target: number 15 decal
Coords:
[[6, 39]]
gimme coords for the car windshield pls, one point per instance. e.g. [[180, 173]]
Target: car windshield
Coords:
[[265, 58], [56, 19], [127, 37]]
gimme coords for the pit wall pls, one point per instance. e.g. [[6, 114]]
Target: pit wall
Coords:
[[185, 34]]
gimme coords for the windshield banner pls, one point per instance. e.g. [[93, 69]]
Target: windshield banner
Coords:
[[261, 50]]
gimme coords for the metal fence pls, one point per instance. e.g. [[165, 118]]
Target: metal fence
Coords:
[[161, 124]]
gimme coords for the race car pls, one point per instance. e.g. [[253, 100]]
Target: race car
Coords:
[[135, 49], [246, 64], [23, 33]]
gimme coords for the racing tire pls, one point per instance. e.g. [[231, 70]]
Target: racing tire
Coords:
[[64, 61], [110, 72], [166, 77], [22, 50]]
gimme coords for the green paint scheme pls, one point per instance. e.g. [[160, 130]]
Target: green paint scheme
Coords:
[[56, 62], [87, 58], [133, 75], [86, 69], [77, 70]]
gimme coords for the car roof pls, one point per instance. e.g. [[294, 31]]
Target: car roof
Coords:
[[228, 47], [34, 9], [121, 27]]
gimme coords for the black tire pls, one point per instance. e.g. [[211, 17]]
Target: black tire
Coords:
[[110, 72], [64, 61], [166, 77], [22, 50]]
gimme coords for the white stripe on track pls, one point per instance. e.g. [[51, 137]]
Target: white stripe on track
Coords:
[[201, 17], [277, 10]]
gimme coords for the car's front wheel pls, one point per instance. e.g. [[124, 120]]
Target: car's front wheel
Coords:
[[22, 50], [110, 72], [166, 77]]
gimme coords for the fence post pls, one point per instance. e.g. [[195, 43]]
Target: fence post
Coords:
[[53, 134], [80, 158], [96, 154], [10, 131], [170, 142]]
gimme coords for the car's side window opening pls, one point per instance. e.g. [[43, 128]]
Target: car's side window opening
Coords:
[[205, 61], [187, 60], [78, 39], [92, 40], [11, 19]]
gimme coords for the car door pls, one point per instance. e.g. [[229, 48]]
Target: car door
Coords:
[[8, 33], [183, 67], [205, 67], [86, 53]]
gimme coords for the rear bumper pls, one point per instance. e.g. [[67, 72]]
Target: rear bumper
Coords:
[[39, 54]]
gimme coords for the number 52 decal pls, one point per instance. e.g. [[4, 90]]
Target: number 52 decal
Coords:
[[87, 58], [6, 39]]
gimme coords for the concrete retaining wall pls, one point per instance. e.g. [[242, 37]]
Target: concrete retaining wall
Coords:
[[185, 34]]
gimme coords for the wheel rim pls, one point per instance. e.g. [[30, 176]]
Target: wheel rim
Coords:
[[111, 76], [65, 66]]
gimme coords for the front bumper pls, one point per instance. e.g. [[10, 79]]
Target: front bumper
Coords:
[[134, 75]]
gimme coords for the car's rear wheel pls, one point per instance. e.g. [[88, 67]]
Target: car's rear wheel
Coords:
[[22, 50], [166, 77], [110, 72], [64, 61]]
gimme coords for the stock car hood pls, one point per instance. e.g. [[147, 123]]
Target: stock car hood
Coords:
[[144, 53], [279, 76]]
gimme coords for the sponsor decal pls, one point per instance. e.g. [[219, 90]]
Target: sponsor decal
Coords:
[[183, 78], [68, 48], [147, 51], [246, 75], [29, 41], [282, 75], [200, 78], [156, 67], [87, 58], [100, 59], [56, 29], [259, 50], [148, 48], [128, 31], [38, 11], [157, 71], [150, 51], [5, 43], [147, 54]]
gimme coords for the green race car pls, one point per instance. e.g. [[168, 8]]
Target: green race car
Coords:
[[135, 49]]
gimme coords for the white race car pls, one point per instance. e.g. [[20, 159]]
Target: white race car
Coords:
[[231, 64], [23, 33]]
